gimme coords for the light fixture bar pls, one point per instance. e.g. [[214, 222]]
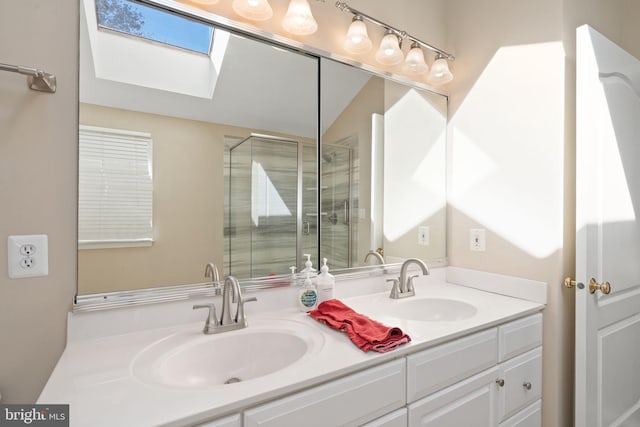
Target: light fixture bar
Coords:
[[403, 34]]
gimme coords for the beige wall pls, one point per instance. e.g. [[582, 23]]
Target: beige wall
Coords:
[[187, 224], [506, 162], [512, 123], [38, 169], [356, 120]]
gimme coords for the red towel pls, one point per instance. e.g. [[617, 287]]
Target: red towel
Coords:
[[366, 333]]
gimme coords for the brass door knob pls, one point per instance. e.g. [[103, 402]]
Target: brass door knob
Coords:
[[603, 287]]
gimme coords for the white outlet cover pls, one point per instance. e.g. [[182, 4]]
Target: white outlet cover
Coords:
[[33, 265]]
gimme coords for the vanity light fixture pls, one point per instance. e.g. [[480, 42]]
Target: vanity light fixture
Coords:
[[357, 40], [414, 63], [440, 73], [255, 10], [299, 19], [390, 51]]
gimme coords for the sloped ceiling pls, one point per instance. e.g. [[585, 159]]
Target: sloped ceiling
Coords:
[[258, 86]]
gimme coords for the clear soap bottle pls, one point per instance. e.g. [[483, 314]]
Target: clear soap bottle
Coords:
[[325, 283]]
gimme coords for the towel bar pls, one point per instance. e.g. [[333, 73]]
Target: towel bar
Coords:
[[36, 79]]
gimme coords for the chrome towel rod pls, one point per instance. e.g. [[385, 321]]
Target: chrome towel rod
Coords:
[[36, 79]]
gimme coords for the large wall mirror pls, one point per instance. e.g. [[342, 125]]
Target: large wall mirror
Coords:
[[223, 148]]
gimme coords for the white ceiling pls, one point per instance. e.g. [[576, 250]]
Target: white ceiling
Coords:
[[257, 86]]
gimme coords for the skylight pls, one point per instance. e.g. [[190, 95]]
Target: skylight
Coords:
[[139, 20]]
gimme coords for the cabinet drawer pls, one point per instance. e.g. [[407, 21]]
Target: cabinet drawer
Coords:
[[349, 401], [519, 373], [467, 403], [529, 417], [394, 419], [519, 336], [441, 366], [231, 421]]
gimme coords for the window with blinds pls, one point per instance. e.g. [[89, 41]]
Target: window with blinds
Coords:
[[115, 188]]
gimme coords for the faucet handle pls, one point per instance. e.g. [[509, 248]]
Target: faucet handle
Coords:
[[240, 317], [395, 289], [211, 322], [410, 287]]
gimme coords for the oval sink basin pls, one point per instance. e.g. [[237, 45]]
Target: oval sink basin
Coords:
[[200, 361], [432, 310]]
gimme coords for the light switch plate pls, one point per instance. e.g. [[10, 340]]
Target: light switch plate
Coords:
[[477, 240], [28, 256]]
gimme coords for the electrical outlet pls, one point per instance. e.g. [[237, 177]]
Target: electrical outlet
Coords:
[[423, 235], [477, 239], [28, 256]]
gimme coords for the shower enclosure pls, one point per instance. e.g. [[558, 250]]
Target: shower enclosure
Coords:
[[271, 214], [338, 225]]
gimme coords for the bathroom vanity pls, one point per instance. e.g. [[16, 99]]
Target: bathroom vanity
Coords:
[[474, 359]]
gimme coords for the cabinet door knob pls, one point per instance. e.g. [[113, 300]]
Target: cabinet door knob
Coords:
[[526, 385], [500, 382]]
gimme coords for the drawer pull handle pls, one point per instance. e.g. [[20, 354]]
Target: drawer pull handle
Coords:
[[527, 386], [500, 382]]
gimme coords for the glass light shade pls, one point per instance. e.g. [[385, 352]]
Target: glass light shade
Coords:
[[389, 52], [414, 63], [357, 40], [299, 19], [440, 73], [255, 10]]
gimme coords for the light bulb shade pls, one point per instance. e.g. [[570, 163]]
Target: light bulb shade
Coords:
[[440, 73], [299, 19], [255, 10], [357, 40], [414, 63], [389, 52]]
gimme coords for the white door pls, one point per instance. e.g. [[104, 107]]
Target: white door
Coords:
[[607, 382]]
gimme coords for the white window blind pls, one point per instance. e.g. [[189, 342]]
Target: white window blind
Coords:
[[115, 188]]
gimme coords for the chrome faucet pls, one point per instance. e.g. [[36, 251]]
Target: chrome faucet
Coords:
[[230, 294], [403, 286], [374, 254], [212, 271]]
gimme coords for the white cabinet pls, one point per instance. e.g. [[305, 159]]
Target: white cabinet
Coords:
[[230, 421], [349, 401], [522, 377], [468, 403], [395, 419], [506, 390], [438, 367]]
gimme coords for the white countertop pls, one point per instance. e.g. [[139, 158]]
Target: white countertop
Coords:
[[95, 377]]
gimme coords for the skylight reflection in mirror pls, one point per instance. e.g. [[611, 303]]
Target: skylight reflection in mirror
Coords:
[[138, 20]]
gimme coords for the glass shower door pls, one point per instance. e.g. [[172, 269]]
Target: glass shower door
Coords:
[[264, 207], [338, 206]]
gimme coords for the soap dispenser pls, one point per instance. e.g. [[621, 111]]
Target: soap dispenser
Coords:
[[308, 265], [308, 295], [293, 279], [325, 283]]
